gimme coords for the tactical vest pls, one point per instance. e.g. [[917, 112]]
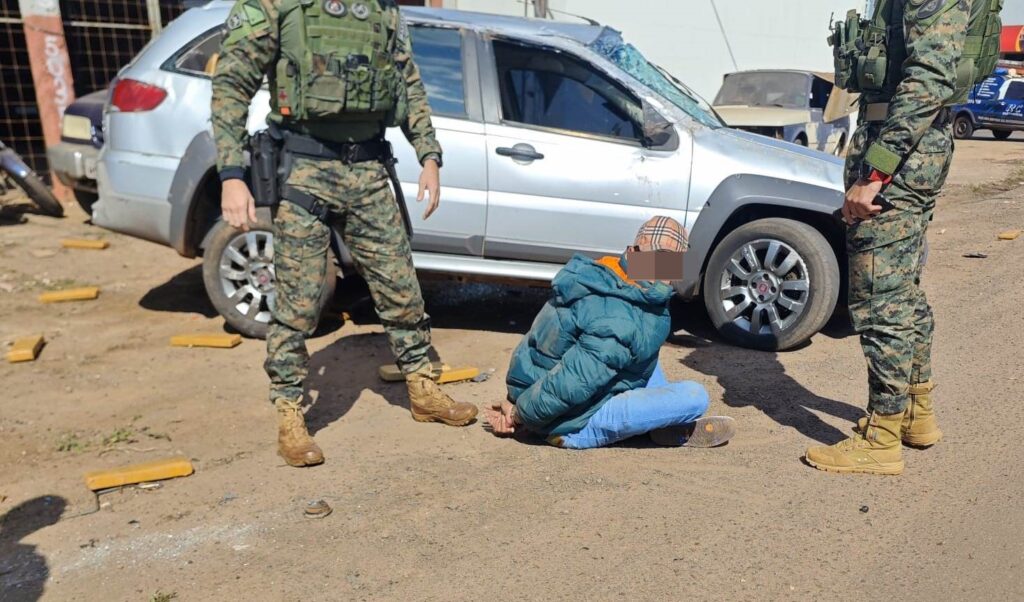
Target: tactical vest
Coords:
[[869, 54], [337, 57]]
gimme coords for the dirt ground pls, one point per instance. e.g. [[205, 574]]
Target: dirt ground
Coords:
[[426, 512]]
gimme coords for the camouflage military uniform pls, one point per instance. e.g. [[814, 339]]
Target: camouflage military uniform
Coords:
[[914, 144], [357, 194]]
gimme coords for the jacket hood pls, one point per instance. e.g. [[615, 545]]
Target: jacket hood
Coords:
[[583, 276]]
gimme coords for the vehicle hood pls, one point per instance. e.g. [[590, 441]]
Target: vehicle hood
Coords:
[[751, 116], [735, 152]]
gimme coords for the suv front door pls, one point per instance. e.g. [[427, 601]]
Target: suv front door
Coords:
[[567, 170]]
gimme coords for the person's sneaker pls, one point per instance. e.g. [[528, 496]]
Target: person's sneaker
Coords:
[[708, 431]]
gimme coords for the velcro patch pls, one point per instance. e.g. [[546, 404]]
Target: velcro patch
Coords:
[[932, 8], [247, 19]]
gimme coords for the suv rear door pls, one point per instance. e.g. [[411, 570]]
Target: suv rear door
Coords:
[[567, 170]]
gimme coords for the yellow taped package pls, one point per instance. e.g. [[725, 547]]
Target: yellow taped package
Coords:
[[86, 293], [1010, 234], [84, 243], [157, 470], [217, 340], [443, 373], [25, 349]]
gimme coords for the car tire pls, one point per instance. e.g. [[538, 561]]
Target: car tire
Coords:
[[243, 291], [963, 127], [740, 297], [1001, 134], [86, 200]]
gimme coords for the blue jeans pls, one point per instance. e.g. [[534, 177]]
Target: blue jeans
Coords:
[[658, 405]]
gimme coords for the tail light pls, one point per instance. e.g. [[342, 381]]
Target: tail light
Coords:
[[133, 96]]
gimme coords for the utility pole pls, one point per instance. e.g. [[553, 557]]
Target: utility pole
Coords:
[[540, 8]]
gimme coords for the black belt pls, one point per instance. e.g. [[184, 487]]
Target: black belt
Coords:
[[346, 152]]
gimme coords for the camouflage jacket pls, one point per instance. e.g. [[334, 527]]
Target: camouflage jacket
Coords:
[[247, 55], [933, 37]]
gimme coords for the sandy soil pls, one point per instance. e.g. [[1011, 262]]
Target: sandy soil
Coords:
[[425, 512]]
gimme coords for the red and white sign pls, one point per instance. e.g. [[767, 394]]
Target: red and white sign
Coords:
[[51, 67]]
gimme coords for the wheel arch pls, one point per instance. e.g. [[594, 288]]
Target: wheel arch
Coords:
[[741, 199]]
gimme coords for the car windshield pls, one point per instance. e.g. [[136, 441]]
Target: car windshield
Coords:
[[764, 89], [625, 56]]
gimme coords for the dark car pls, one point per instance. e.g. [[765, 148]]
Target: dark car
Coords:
[[73, 161]]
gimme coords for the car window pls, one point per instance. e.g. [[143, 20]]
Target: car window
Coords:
[[199, 57], [764, 89], [820, 91], [438, 54], [551, 89], [1015, 91]]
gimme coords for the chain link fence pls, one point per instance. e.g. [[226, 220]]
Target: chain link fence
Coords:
[[102, 36]]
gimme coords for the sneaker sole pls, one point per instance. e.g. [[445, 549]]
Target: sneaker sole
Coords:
[[891, 468], [433, 418], [709, 431]]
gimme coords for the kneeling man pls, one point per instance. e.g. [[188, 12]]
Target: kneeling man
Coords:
[[587, 373]]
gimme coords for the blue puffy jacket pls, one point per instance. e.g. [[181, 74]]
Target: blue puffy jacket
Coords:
[[598, 336]]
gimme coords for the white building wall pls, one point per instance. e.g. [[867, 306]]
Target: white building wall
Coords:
[[684, 36]]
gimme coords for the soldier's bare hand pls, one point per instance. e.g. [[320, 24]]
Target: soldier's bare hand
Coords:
[[237, 205], [860, 201], [430, 183]]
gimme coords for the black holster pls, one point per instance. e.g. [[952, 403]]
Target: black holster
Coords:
[[265, 158]]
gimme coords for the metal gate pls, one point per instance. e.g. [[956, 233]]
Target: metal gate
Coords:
[[102, 36]]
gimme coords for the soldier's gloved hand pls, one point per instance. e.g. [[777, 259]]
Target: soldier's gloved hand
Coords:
[[860, 201], [237, 205], [430, 182]]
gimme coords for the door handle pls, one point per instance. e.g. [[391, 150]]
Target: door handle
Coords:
[[520, 152]]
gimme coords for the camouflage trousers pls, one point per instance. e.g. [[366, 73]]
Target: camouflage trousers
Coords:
[[363, 210], [886, 258]]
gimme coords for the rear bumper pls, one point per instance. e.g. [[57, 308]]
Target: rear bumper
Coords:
[[72, 162]]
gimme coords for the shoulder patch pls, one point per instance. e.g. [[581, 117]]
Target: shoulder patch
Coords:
[[246, 19], [932, 8]]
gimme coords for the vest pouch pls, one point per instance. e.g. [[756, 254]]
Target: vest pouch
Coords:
[[359, 78], [871, 70], [326, 91], [287, 98]]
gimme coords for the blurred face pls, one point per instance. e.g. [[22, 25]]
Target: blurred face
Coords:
[[657, 251]]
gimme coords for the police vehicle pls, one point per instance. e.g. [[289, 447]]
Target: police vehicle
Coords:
[[995, 104]]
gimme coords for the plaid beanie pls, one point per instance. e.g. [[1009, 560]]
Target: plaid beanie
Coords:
[[662, 233]]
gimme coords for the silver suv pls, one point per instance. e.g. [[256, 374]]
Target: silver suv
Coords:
[[559, 138]]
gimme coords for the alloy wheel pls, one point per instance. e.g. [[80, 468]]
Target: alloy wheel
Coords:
[[765, 287], [247, 274]]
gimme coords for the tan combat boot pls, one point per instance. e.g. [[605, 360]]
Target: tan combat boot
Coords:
[[876, 450], [293, 441], [429, 403], [919, 428]]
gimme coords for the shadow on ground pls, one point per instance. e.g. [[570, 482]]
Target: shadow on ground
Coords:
[[756, 378], [183, 293], [23, 570], [340, 372]]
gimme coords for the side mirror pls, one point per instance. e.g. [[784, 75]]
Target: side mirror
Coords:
[[658, 131]]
